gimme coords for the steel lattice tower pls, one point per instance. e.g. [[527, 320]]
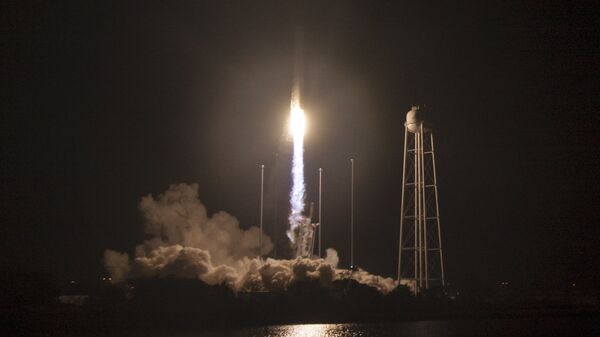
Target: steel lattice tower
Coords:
[[420, 258]]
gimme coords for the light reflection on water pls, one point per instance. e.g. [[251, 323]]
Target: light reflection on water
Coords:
[[417, 329], [304, 330], [314, 330], [541, 327]]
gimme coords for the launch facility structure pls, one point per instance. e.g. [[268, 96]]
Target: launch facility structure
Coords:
[[420, 257]]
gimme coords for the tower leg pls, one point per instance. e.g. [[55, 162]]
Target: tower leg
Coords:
[[402, 205], [416, 214], [424, 209], [437, 212], [419, 210]]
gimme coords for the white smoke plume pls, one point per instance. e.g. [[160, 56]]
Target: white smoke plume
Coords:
[[186, 243]]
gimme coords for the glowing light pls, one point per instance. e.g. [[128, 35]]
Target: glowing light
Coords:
[[297, 124]]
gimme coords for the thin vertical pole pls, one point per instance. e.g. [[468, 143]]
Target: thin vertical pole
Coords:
[[424, 208], [262, 189], [276, 208], [419, 208], [320, 207], [437, 210], [352, 215], [402, 205], [415, 214]]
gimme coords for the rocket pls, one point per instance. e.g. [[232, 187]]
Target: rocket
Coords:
[[296, 118], [298, 66], [301, 228]]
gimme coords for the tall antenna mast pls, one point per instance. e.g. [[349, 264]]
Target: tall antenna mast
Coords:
[[320, 207], [352, 214], [262, 190]]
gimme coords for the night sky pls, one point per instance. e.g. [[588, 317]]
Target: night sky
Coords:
[[109, 102]]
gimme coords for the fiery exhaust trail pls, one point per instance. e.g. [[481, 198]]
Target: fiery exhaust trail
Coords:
[[297, 127]]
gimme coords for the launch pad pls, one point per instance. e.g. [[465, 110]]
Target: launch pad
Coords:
[[305, 235]]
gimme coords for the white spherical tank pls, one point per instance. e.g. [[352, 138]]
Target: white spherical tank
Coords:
[[414, 119]]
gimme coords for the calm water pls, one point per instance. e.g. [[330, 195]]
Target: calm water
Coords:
[[569, 327]]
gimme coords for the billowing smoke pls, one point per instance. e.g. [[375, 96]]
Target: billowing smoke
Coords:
[[184, 242]]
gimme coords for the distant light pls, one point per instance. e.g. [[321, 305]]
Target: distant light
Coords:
[[573, 284], [72, 282]]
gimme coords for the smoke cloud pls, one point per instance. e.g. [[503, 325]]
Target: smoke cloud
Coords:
[[184, 242], [117, 265]]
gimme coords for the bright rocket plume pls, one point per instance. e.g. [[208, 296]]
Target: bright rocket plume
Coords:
[[297, 128]]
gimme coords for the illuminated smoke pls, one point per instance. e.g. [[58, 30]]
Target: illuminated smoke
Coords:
[[297, 127], [185, 242]]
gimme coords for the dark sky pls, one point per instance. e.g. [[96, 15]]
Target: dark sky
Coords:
[[111, 101]]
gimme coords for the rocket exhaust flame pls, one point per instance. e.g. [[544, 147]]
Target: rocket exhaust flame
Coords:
[[297, 127]]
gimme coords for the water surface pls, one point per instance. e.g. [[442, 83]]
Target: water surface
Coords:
[[564, 326]]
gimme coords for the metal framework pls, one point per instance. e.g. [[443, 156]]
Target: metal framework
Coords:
[[420, 258]]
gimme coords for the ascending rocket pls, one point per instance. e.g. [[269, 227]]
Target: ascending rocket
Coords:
[[297, 122], [298, 67]]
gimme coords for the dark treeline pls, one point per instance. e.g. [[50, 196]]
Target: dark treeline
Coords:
[[34, 304]]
